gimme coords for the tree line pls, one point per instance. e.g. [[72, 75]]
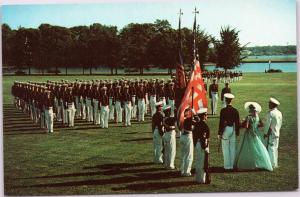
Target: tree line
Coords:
[[135, 46], [273, 50]]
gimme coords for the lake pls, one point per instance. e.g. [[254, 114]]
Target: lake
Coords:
[[261, 67]]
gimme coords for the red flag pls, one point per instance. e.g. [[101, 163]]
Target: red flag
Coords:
[[199, 98], [180, 76]]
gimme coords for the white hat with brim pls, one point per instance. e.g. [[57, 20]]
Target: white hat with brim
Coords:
[[202, 111], [256, 106], [273, 100], [229, 96], [160, 103]]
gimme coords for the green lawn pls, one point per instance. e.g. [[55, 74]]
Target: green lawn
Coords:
[[89, 160]]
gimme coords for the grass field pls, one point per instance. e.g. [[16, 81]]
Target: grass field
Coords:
[[89, 160]]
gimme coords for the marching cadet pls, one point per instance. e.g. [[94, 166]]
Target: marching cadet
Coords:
[[110, 93], [97, 97], [152, 93], [95, 91], [145, 83], [42, 107], [169, 138], [171, 98], [69, 102], [141, 102], [104, 101], [49, 103], [157, 129], [161, 93], [132, 92], [76, 92], [201, 135], [229, 128], [127, 106], [82, 100], [225, 90], [213, 95], [186, 143], [118, 100], [272, 130], [89, 96]]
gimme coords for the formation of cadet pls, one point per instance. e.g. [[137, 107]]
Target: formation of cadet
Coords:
[[220, 76], [96, 101]]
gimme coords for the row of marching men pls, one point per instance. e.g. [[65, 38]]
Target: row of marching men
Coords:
[[164, 141], [95, 101], [221, 76]]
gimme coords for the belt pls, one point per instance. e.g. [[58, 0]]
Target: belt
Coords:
[[187, 132], [229, 125]]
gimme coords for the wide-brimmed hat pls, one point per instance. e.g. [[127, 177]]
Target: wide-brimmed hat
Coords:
[[275, 101], [253, 105], [202, 111], [229, 96]]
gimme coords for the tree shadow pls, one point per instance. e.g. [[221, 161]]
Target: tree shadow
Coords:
[[222, 170], [137, 140], [155, 185], [119, 165]]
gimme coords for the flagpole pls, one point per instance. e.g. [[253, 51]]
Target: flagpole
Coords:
[[179, 38], [192, 97], [194, 31]]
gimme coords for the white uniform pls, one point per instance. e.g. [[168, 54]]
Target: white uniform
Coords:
[[49, 119], [128, 108], [134, 106], [95, 110], [141, 107], [71, 114], [273, 122], [89, 110], [111, 109], [228, 146], [119, 111], [187, 153], [214, 100], [104, 116], [157, 146], [169, 139], [152, 104], [199, 163]]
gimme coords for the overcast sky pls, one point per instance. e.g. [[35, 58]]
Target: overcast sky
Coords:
[[260, 22]]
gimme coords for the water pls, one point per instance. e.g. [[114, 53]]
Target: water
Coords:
[[273, 57], [261, 67]]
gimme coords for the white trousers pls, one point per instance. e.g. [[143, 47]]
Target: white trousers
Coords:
[[83, 108], [273, 150], [224, 103], [172, 104], [228, 147], [89, 110], [169, 139], [49, 119], [214, 101], [111, 109], [95, 110], [59, 115], [77, 106], [134, 107], [65, 115], [146, 103], [118, 112], [71, 114], [141, 107], [104, 116], [187, 151], [42, 119], [152, 105], [128, 113], [163, 99], [157, 147], [200, 174]]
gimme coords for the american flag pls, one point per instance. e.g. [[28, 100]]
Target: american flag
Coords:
[[195, 91]]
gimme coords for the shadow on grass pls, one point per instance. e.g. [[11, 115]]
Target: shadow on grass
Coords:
[[116, 180], [119, 165], [138, 140], [155, 186], [222, 170]]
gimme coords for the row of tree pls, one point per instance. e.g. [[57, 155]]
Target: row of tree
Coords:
[[272, 50], [136, 46]]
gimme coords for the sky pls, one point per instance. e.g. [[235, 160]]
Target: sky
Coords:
[[260, 22]]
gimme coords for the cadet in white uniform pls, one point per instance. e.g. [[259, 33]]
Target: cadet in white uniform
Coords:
[[104, 101], [272, 130], [229, 128], [157, 129]]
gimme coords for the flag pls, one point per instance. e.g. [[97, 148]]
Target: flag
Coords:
[[180, 77], [194, 96]]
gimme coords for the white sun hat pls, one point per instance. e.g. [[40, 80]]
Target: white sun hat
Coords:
[[229, 95], [256, 106], [202, 111], [275, 101]]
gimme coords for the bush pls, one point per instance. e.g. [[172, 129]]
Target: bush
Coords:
[[274, 71], [19, 72]]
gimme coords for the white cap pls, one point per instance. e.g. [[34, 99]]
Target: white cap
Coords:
[[273, 100], [159, 103], [167, 107], [229, 95], [202, 110], [256, 106]]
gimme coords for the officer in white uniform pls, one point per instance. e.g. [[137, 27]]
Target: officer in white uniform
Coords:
[[272, 130], [229, 128], [169, 138], [186, 143]]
